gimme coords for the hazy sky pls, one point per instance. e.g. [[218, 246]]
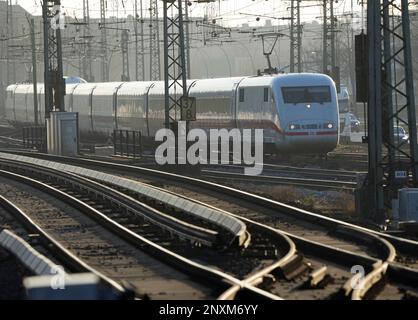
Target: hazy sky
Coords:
[[230, 10]]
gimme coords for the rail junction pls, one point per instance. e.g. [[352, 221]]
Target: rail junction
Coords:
[[87, 204], [249, 245]]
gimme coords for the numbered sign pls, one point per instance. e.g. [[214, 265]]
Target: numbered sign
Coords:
[[401, 174], [188, 110]]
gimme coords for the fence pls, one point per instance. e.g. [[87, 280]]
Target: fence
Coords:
[[35, 137], [127, 143]]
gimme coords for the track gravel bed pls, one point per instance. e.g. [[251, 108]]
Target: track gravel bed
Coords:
[[101, 249]]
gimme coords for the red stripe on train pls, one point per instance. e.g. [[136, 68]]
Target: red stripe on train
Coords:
[[324, 133], [297, 133]]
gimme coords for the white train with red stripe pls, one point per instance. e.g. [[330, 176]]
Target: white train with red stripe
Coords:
[[298, 112]]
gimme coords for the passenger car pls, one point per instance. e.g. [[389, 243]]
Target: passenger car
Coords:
[[298, 112]]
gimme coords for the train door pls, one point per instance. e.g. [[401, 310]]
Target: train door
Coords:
[[14, 103], [237, 94], [115, 106], [41, 104], [190, 85], [70, 96], [91, 108], [10, 104], [26, 105], [147, 107]]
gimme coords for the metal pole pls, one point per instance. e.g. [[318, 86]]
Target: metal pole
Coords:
[[142, 41], [391, 101], [86, 61], [292, 36], [166, 67], [299, 37], [375, 175], [11, 75], [324, 39], [409, 83], [54, 80], [105, 66], [332, 35], [34, 70], [351, 56], [155, 64], [59, 82], [10, 24], [387, 101], [47, 88], [175, 76], [139, 43], [2, 97], [84, 47], [137, 71], [125, 55], [187, 38]]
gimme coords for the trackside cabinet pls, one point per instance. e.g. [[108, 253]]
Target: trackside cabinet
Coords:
[[62, 133]]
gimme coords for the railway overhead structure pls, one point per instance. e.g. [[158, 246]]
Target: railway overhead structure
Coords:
[[392, 164]]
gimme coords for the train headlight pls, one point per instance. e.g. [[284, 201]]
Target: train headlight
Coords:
[[330, 126], [292, 127]]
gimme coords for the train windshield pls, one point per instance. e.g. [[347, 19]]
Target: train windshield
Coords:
[[306, 94]]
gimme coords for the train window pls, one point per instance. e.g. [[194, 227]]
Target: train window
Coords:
[[311, 94], [241, 94], [266, 94]]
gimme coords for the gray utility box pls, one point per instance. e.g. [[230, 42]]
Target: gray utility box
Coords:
[[62, 133], [406, 206]]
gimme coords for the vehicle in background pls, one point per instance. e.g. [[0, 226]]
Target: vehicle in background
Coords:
[[344, 114], [74, 80], [400, 135], [355, 123]]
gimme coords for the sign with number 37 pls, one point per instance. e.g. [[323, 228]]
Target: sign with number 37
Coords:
[[188, 110]]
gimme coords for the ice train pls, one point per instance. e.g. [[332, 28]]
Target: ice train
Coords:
[[298, 112]]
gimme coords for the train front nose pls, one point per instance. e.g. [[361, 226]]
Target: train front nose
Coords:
[[312, 137]]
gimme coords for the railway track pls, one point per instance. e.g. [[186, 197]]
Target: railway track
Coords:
[[11, 283], [101, 249], [315, 178], [10, 137], [262, 253], [9, 142], [336, 160], [352, 156], [323, 241], [318, 179], [349, 155], [292, 171], [17, 222], [255, 254], [14, 220]]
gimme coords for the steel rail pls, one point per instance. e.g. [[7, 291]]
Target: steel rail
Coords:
[[272, 168], [232, 230], [173, 225], [378, 269], [53, 246], [398, 272], [207, 274], [250, 282], [406, 244], [274, 179]]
